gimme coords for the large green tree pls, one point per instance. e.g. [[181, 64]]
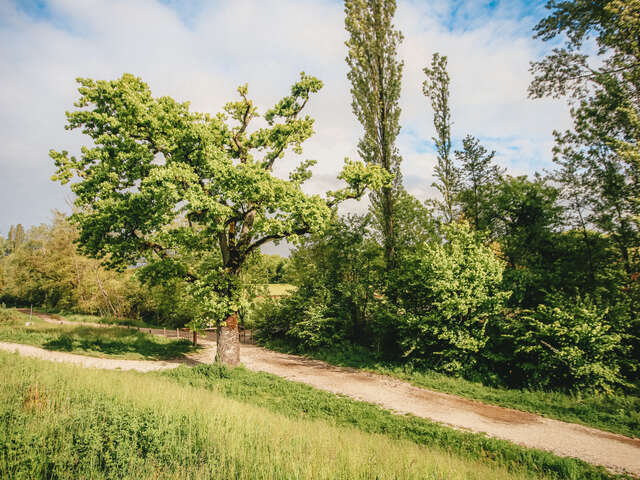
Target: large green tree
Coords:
[[599, 157], [436, 89], [190, 195], [376, 74], [525, 219]]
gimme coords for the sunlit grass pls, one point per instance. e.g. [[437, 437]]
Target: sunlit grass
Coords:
[[62, 421], [114, 342]]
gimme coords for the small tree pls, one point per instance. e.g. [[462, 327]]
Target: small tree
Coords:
[[478, 176], [190, 195]]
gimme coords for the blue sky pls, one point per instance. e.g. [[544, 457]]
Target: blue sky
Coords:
[[201, 50]]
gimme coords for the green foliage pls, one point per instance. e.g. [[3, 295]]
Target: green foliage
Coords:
[[262, 269], [414, 221], [598, 158], [478, 177], [5, 246], [190, 195], [436, 89], [443, 296], [338, 273], [565, 343], [375, 74], [48, 271], [524, 219]]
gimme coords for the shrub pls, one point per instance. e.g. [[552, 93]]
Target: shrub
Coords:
[[445, 294], [566, 343]]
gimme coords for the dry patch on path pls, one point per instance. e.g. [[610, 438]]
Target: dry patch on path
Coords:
[[615, 452]]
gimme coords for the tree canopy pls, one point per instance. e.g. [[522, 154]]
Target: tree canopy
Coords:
[[191, 195]]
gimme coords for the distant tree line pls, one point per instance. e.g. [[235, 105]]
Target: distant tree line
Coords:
[[44, 268]]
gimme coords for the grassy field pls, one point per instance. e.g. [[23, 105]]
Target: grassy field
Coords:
[[299, 401], [615, 413], [61, 421], [114, 342], [84, 317]]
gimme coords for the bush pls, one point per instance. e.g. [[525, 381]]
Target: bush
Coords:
[[303, 320], [566, 343], [445, 294]]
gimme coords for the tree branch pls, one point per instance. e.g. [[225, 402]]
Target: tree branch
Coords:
[[268, 238]]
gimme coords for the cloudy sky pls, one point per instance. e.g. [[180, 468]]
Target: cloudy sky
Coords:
[[201, 50]]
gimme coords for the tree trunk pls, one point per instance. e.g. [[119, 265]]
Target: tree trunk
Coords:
[[228, 342], [389, 234]]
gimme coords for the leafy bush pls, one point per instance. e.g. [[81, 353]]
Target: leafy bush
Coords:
[[336, 274], [304, 320], [567, 344], [8, 317], [445, 294], [317, 329]]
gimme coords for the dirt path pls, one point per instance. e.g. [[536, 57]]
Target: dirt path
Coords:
[[615, 452], [90, 362]]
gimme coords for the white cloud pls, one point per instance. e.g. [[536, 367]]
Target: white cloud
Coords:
[[265, 44]]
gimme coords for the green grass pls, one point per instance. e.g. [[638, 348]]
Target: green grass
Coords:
[[298, 401], [62, 421], [280, 289], [106, 320], [115, 342], [615, 413]]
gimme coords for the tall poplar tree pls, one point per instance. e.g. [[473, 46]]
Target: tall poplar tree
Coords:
[[376, 74], [436, 88], [11, 238], [18, 236]]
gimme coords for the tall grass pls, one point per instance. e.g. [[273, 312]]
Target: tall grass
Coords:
[[61, 421], [299, 401]]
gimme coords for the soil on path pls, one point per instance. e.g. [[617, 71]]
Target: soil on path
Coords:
[[615, 452], [89, 362]]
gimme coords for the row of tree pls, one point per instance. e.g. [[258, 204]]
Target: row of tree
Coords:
[[533, 281], [524, 281], [46, 270]]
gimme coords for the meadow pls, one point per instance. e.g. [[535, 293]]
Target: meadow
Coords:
[[111, 342], [61, 421]]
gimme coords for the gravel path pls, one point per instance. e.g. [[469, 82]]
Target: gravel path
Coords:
[[90, 362], [615, 452]]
